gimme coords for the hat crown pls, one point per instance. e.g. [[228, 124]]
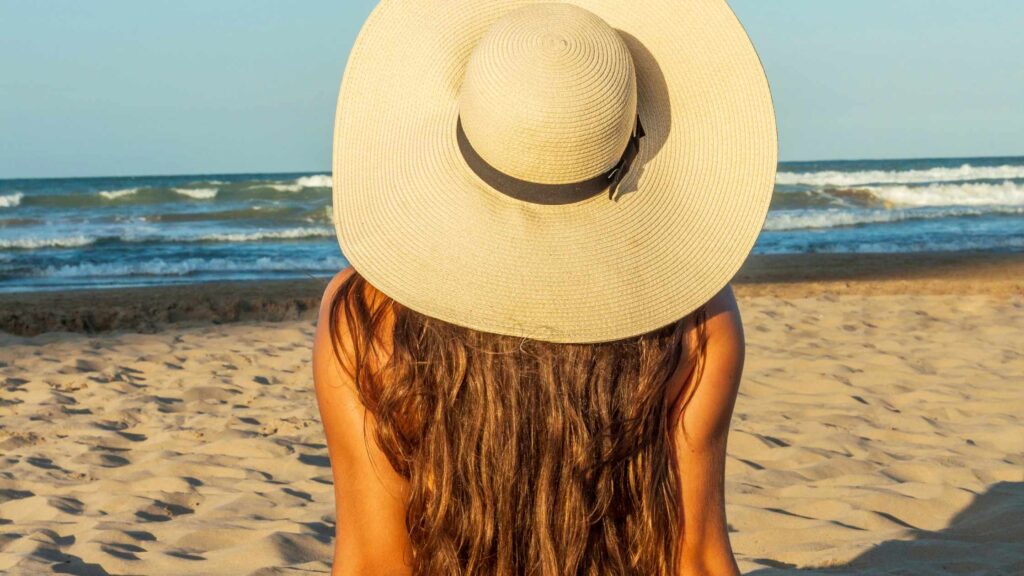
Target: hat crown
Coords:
[[549, 95]]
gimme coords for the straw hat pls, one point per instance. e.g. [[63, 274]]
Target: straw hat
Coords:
[[582, 171]]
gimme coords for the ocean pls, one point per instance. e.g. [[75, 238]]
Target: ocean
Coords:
[[76, 233]]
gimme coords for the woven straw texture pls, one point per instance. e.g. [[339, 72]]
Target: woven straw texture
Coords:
[[421, 226]]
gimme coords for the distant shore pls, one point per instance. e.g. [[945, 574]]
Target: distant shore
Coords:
[[153, 308]]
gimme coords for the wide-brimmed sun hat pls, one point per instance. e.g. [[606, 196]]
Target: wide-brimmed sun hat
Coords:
[[578, 171]]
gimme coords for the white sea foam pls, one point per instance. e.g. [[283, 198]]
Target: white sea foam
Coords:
[[963, 173], [161, 267], [11, 200], [316, 181], [806, 219], [285, 234], [1004, 194], [115, 194], [144, 234], [198, 193], [149, 233], [932, 245], [32, 243], [155, 234]]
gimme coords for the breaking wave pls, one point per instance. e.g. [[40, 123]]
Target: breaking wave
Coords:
[[802, 219], [115, 194], [187, 266], [963, 173], [286, 234], [316, 181], [806, 245], [1006, 194], [901, 196], [136, 237], [198, 193], [31, 243], [11, 200]]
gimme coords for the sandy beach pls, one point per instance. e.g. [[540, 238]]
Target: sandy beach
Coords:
[[879, 428]]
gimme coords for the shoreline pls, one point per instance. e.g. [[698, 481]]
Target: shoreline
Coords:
[[151, 309]]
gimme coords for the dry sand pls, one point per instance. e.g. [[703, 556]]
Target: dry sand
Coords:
[[879, 430]]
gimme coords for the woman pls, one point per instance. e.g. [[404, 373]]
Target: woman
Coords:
[[531, 364]]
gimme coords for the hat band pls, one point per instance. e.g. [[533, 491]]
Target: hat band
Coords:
[[538, 193]]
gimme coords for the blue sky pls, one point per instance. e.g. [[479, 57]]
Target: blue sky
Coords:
[[121, 87]]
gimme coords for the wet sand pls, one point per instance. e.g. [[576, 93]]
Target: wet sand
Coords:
[[151, 309]]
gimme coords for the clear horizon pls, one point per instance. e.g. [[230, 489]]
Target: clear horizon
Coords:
[[120, 90]]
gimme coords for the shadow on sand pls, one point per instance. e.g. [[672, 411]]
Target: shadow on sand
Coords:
[[986, 537]]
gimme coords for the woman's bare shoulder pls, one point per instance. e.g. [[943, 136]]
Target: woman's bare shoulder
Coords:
[[347, 424], [709, 411], [332, 289], [369, 496], [702, 439], [326, 365], [332, 372]]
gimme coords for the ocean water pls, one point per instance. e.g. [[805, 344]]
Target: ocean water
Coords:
[[108, 232]]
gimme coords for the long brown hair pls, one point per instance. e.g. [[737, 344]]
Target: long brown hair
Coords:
[[523, 456]]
